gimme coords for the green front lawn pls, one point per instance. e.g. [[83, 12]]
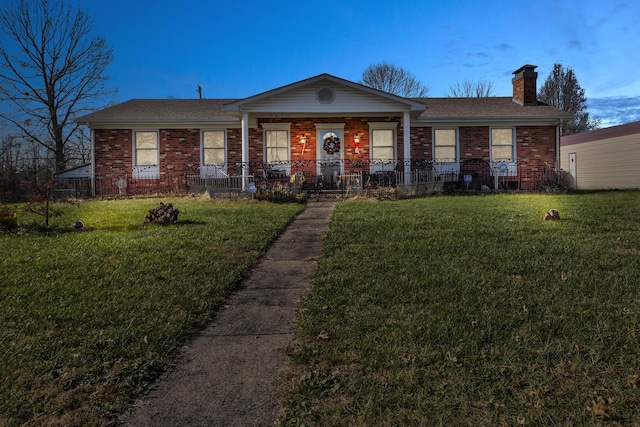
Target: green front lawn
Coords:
[[473, 311], [88, 319]]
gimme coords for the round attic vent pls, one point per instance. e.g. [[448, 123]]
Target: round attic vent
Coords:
[[325, 95]]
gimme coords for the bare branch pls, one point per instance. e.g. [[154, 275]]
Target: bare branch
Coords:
[[51, 70], [391, 79], [471, 89]]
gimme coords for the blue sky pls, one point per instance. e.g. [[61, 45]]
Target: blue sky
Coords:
[[234, 49]]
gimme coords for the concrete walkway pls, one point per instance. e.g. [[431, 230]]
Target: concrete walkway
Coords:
[[228, 374]]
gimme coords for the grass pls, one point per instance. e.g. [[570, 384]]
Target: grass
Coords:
[[90, 318], [473, 311]]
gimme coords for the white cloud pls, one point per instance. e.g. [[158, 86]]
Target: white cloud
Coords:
[[615, 110]]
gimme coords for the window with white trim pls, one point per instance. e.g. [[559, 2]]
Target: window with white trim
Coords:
[[213, 147], [214, 154], [502, 145], [445, 146], [146, 154], [383, 146], [146, 148], [277, 146]]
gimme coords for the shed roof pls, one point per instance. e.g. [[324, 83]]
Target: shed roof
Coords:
[[81, 171], [602, 134]]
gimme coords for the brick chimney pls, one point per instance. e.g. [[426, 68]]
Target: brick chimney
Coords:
[[524, 85]]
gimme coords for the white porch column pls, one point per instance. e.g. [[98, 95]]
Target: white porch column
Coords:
[[406, 124], [245, 151]]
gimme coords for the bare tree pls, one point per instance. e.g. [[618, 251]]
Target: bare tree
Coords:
[[9, 164], [562, 90], [391, 79], [471, 89], [52, 69], [78, 149]]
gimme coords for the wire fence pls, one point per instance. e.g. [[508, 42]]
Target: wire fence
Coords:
[[345, 178]]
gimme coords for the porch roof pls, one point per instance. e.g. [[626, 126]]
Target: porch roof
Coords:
[[302, 96]]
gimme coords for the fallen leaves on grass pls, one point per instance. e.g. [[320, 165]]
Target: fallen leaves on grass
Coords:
[[598, 407], [323, 336]]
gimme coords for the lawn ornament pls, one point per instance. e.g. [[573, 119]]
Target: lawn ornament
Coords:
[[551, 215]]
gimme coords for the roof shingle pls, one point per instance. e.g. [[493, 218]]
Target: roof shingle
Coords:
[[486, 108], [162, 111], [211, 110]]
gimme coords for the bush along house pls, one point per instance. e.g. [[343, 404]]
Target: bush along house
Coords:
[[324, 129]]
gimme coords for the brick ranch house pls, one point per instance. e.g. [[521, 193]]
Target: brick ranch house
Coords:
[[325, 127]]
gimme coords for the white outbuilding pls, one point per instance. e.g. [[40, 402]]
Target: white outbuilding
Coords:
[[603, 159]]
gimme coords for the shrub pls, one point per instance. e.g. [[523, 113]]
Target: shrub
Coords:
[[8, 219]]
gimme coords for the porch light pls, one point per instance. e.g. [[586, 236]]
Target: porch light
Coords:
[[303, 141], [356, 141]]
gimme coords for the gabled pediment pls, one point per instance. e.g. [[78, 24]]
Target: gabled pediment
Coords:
[[325, 94]]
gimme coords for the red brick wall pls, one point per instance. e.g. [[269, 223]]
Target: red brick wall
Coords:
[[180, 148], [536, 145], [421, 143], [179, 151], [305, 162], [234, 151], [524, 91], [113, 152], [474, 143], [256, 151]]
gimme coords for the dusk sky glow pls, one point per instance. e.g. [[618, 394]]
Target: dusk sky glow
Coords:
[[235, 49]]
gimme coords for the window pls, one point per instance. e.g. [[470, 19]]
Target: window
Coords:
[[146, 144], [445, 146], [214, 155], [146, 155], [213, 148], [502, 143], [277, 146], [383, 146]]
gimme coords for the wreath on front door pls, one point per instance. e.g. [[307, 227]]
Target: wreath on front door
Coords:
[[331, 143]]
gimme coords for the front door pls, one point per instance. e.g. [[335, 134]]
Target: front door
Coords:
[[330, 147]]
